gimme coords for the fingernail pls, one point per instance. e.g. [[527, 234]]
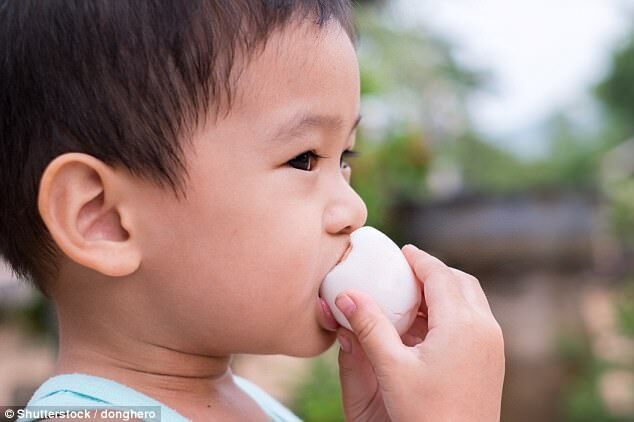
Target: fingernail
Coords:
[[345, 304], [344, 343]]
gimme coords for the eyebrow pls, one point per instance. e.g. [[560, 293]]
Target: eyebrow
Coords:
[[303, 122]]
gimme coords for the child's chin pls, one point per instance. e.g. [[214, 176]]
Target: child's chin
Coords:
[[313, 345]]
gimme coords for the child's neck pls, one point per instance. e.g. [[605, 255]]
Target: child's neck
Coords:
[[206, 397], [191, 384]]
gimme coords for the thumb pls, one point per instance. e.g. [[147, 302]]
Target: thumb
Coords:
[[376, 334]]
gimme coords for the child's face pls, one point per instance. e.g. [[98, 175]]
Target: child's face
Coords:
[[236, 267]]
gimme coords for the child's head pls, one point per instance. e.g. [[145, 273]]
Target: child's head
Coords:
[[155, 173]]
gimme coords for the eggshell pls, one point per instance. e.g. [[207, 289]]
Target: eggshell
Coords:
[[376, 266]]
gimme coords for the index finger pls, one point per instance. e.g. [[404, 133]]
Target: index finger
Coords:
[[442, 293]]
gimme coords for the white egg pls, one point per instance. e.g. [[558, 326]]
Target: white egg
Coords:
[[376, 266]]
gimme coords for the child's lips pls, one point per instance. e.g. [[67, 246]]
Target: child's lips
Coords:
[[325, 317], [326, 320]]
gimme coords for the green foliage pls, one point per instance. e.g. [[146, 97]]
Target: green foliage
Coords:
[[486, 168], [617, 90], [409, 72], [621, 196], [35, 317], [584, 404], [388, 172], [574, 156], [489, 169], [582, 400], [625, 311], [370, 83], [412, 58]]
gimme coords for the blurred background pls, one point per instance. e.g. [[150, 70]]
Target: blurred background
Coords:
[[497, 135]]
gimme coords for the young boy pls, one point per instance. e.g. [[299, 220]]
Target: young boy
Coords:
[[172, 178]]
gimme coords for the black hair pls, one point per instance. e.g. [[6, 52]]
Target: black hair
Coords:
[[121, 80]]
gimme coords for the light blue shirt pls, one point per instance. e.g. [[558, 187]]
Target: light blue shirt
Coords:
[[83, 391]]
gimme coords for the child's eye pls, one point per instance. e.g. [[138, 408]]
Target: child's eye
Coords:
[[304, 161], [349, 153]]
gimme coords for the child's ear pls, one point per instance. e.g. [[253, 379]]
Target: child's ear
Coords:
[[87, 208]]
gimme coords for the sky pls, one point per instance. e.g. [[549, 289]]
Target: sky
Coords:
[[543, 54]]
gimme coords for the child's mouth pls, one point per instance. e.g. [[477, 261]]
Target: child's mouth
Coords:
[[326, 320]]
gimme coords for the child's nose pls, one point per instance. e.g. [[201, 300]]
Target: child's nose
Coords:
[[345, 213]]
